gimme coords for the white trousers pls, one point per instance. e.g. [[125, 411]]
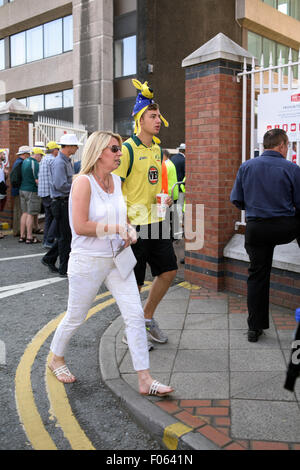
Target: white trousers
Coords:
[[86, 274]]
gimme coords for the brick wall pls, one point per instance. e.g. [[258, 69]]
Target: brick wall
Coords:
[[13, 134], [213, 156], [284, 285]]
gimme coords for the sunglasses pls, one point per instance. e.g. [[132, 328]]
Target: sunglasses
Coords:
[[114, 148]]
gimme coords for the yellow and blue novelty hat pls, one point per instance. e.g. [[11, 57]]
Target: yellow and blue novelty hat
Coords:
[[143, 100]]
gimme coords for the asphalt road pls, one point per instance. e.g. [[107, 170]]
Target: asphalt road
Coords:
[[31, 299]]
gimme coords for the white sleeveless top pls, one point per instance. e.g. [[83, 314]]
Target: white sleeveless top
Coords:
[[107, 209]]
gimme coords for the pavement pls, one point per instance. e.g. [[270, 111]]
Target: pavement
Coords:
[[229, 393]]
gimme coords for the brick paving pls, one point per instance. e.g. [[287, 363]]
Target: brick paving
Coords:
[[212, 418]]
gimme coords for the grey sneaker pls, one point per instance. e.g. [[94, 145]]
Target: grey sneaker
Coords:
[[150, 345], [155, 333]]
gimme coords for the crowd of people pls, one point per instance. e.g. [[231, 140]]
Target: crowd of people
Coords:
[[108, 207]]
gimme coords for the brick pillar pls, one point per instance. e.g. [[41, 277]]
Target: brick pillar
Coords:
[[213, 152], [14, 124]]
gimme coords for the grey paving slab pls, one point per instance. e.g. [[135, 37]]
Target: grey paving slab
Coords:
[[238, 340], [201, 361], [204, 339], [206, 321], [169, 321], [160, 361], [238, 321], [200, 385], [178, 293], [172, 306], [120, 353], [260, 386], [173, 340], [208, 306], [265, 420], [256, 360], [286, 338]]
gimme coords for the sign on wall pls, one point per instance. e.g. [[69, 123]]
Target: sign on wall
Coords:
[[4, 161], [279, 110]]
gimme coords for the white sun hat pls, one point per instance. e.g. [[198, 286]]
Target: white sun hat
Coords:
[[69, 139]]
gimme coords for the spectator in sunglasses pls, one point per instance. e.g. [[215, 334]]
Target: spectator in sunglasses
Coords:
[[98, 220]]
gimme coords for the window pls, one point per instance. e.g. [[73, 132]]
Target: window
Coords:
[[283, 6], [125, 57], [287, 7], [53, 100], [258, 45], [68, 101], [68, 33], [34, 44], [18, 49], [36, 103], [255, 45], [53, 38], [2, 55], [59, 99]]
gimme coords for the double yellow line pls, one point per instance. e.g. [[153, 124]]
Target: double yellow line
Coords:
[[60, 407], [29, 415]]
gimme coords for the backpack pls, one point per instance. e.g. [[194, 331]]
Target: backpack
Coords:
[[16, 175]]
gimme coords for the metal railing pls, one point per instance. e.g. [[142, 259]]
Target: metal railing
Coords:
[[46, 129], [271, 79]]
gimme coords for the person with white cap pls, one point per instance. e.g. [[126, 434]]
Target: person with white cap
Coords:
[[44, 192], [22, 154], [62, 172], [29, 199]]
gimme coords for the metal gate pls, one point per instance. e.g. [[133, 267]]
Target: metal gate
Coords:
[[46, 129], [271, 79]]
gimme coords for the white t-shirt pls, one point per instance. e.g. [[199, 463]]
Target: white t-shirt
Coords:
[[104, 208]]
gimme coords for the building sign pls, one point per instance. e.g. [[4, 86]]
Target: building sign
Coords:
[[279, 110]]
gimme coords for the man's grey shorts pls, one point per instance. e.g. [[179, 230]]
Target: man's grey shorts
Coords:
[[30, 202]]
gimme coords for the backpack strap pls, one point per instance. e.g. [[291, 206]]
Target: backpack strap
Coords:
[[131, 157]]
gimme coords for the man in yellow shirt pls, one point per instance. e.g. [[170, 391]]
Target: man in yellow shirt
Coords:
[[140, 170]]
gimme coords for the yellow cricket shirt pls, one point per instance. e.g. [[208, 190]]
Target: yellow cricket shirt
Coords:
[[140, 171]]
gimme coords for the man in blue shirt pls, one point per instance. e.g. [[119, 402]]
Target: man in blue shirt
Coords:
[[44, 192], [62, 172], [267, 188]]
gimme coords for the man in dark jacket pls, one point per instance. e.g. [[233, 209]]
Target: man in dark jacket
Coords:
[[179, 161], [267, 188]]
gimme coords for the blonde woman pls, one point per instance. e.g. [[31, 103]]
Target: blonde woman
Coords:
[[98, 218]]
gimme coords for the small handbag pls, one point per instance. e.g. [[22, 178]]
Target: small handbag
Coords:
[[124, 260]]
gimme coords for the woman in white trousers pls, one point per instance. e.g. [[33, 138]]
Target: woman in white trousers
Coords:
[[97, 214]]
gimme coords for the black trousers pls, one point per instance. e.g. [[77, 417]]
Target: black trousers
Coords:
[[50, 221], [62, 245], [261, 237]]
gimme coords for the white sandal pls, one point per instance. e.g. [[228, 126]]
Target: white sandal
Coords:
[[63, 370], [153, 390]]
